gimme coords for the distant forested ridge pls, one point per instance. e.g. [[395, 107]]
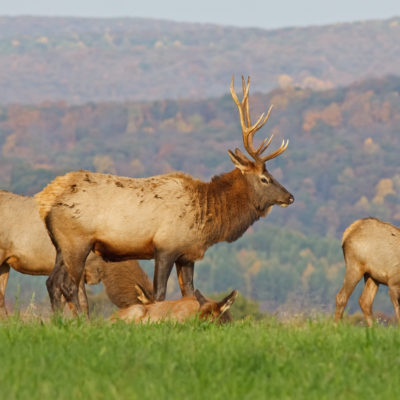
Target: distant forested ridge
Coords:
[[80, 60]]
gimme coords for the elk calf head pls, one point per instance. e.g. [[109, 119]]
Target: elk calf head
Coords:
[[267, 191], [216, 311]]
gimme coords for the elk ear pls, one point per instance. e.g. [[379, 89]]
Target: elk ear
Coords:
[[143, 295], [200, 298], [239, 159], [226, 303], [242, 157]]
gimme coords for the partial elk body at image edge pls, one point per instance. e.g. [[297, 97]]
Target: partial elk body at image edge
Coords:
[[371, 251]]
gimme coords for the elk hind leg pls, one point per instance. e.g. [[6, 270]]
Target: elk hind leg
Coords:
[[4, 274], [53, 283], [63, 282], [351, 278], [74, 263], [83, 300], [394, 293], [367, 298]]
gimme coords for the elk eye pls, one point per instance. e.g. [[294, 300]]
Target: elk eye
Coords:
[[264, 180]]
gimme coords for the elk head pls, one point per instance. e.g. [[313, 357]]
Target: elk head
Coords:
[[214, 310], [267, 190]]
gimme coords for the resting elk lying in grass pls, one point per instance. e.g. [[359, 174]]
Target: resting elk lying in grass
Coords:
[[25, 246], [173, 218], [177, 310], [371, 250]]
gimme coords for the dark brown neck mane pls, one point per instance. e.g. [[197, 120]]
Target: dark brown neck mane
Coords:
[[226, 207]]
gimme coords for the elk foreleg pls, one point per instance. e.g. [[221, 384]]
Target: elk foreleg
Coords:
[[367, 298], [4, 273], [163, 266], [185, 271], [351, 278]]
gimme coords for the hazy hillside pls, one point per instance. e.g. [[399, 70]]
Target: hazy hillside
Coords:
[[80, 60]]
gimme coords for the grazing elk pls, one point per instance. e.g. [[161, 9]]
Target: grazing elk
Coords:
[[25, 246], [371, 250], [172, 218], [177, 310]]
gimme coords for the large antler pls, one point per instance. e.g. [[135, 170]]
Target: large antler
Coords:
[[249, 130]]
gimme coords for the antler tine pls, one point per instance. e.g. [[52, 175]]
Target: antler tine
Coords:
[[245, 89], [237, 102], [277, 152], [262, 120], [263, 146], [241, 106], [258, 125]]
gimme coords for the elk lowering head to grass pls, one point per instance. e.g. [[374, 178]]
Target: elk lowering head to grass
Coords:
[[371, 250], [25, 246], [172, 218], [177, 310]]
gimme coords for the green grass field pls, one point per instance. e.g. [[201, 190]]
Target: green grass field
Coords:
[[64, 359]]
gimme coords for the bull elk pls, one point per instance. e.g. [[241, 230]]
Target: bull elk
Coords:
[[371, 250], [25, 246], [177, 310], [172, 218]]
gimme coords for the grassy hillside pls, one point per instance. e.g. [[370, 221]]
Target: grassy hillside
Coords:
[[80, 60], [302, 360]]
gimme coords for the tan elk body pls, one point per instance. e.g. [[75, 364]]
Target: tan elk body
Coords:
[[177, 310], [172, 218], [371, 250], [25, 246]]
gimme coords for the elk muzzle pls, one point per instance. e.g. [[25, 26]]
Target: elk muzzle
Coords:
[[288, 202]]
